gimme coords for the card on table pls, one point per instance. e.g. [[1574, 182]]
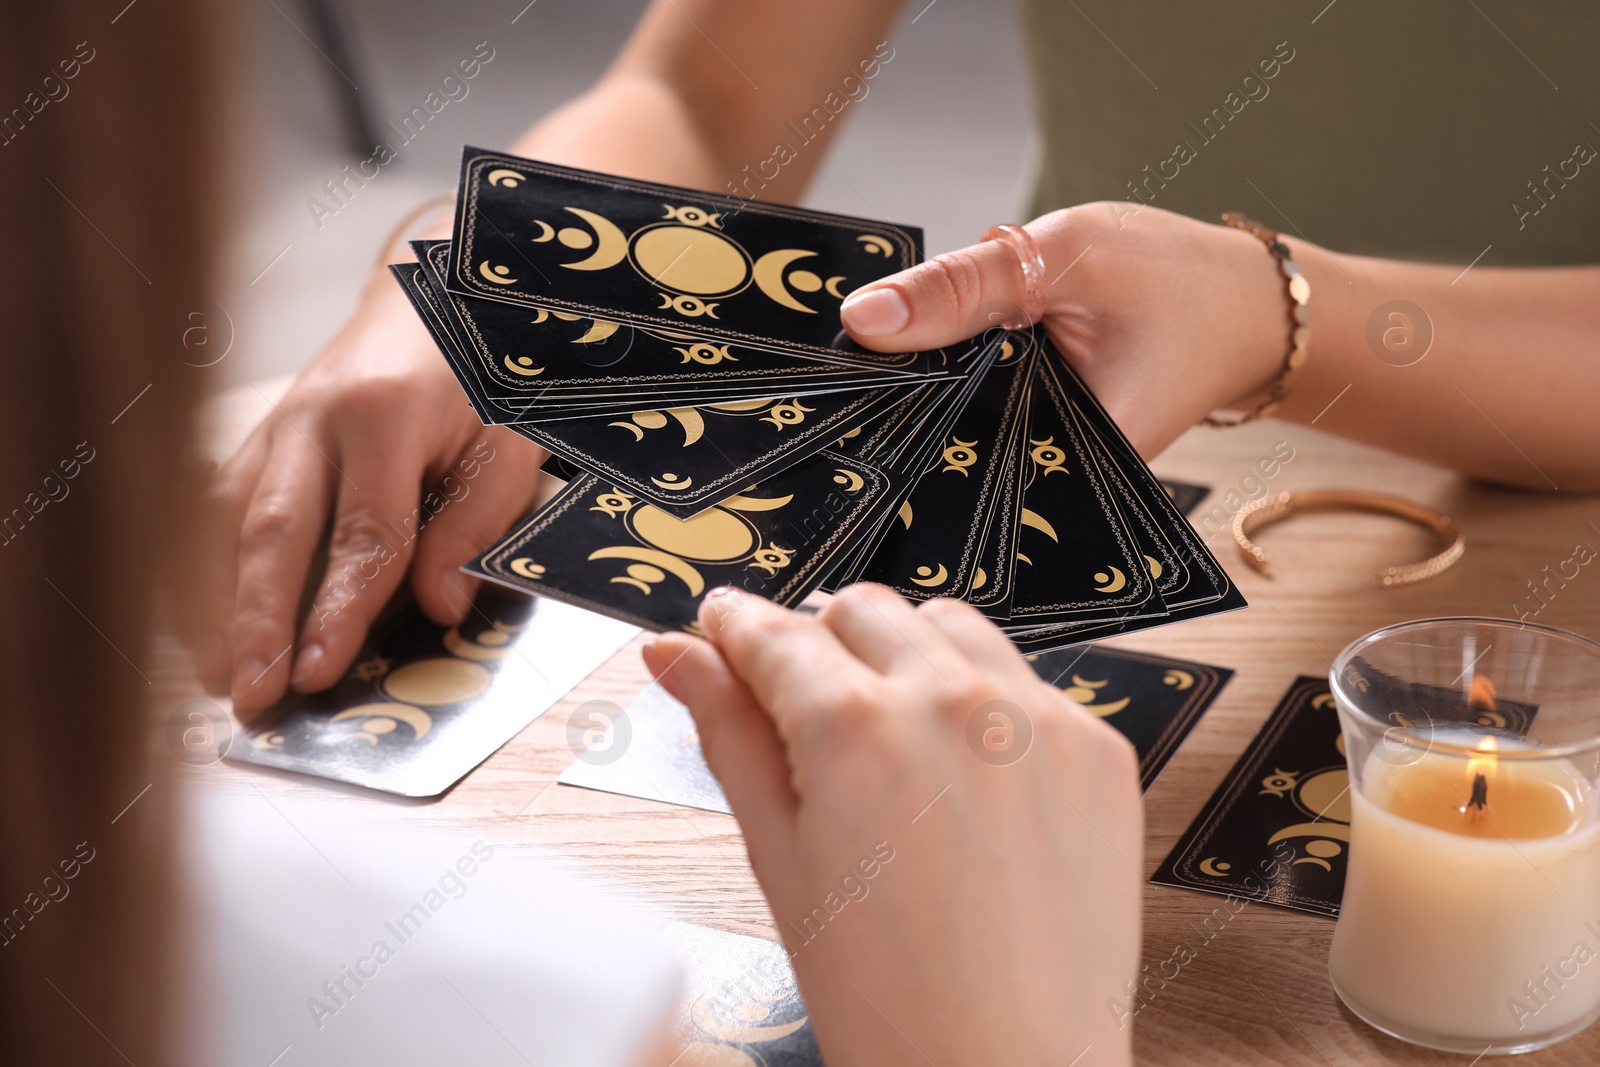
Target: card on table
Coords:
[[743, 1006], [1277, 829], [596, 546], [1185, 495], [424, 704], [720, 267], [1154, 701]]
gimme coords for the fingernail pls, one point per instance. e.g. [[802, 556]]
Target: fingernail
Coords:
[[875, 312], [720, 602], [651, 656], [306, 662], [247, 674]]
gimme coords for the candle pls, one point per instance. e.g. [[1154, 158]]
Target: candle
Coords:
[[1471, 911]]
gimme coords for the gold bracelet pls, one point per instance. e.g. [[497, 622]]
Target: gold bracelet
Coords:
[[1273, 509], [1299, 290]]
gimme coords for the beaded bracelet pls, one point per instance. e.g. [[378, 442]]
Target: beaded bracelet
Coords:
[[1299, 290]]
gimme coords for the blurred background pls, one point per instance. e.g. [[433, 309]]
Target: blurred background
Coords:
[[943, 139]]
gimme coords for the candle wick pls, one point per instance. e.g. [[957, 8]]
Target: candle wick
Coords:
[[1480, 798]]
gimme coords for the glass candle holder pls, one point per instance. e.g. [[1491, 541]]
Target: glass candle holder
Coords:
[[1471, 912]]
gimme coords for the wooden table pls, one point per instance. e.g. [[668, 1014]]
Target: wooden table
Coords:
[[1256, 994]]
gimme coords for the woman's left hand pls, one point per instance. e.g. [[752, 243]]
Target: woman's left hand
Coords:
[[1164, 317]]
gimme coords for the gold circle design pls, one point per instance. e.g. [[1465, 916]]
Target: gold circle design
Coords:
[[690, 260], [713, 535], [574, 238], [805, 281], [437, 681]]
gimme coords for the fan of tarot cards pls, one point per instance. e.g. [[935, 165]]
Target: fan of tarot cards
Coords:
[[679, 355]]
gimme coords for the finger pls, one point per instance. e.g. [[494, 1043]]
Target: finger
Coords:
[[279, 533], [207, 564], [947, 299], [488, 489], [880, 628], [738, 740], [368, 550], [793, 665], [979, 639]]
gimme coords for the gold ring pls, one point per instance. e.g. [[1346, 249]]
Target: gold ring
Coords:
[[1273, 509]]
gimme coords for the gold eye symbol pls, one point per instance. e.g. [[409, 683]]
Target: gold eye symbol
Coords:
[[1048, 455], [873, 243], [792, 413], [706, 353], [613, 503], [772, 558], [959, 455], [1279, 782]]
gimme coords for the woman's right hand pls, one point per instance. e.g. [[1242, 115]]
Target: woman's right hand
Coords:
[[949, 846], [372, 439]]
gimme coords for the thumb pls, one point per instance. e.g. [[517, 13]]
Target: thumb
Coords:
[[948, 299]]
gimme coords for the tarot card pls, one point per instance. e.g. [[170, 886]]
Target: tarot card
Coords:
[[661, 761], [425, 704], [932, 550], [743, 1004], [599, 547], [1185, 495], [723, 268], [1152, 700]]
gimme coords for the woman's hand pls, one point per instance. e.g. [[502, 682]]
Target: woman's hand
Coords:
[[1165, 318], [372, 440], [949, 846]]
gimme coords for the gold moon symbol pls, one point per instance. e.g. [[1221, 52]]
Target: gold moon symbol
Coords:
[[493, 646], [931, 577], [832, 286], [851, 481], [419, 721], [1154, 566], [724, 1030], [638, 434], [664, 560], [542, 315], [873, 243], [769, 276], [741, 502], [1114, 581], [1322, 701], [691, 421], [905, 514], [527, 568], [712, 536], [598, 332], [506, 177], [498, 275], [1040, 523], [612, 245], [574, 238], [435, 681], [546, 231], [1179, 680], [805, 281], [668, 480], [526, 372], [1024, 559], [1312, 829], [1210, 866], [980, 578]]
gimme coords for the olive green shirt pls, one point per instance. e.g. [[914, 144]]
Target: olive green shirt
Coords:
[[1418, 129]]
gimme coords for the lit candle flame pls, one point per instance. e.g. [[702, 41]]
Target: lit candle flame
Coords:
[[1486, 763]]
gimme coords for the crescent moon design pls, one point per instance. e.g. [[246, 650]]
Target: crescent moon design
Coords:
[[457, 645], [1025, 559], [980, 578], [851, 481], [1322, 701], [931, 577], [693, 425], [1114, 581], [524, 371], [1210, 866], [541, 316], [546, 231], [1179, 680], [873, 243], [768, 274], [1040, 523], [905, 514], [673, 481], [755, 503], [638, 434], [506, 177], [527, 568], [832, 286], [667, 562], [419, 721], [498, 275], [598, 332], [1154, 566], [1107, 710], [735, 1034], [1324, 864], [610, 244]]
